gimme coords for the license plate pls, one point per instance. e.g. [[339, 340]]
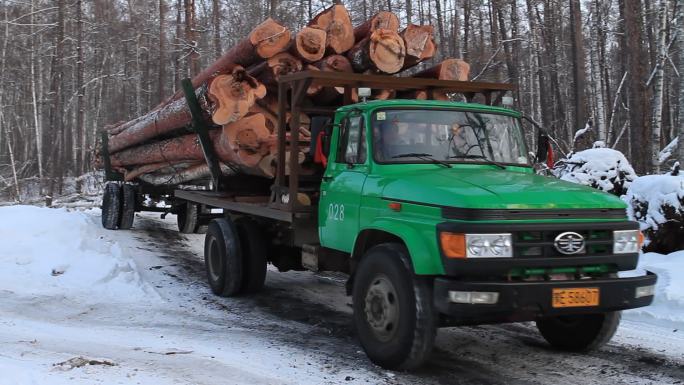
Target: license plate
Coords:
[[575, 297]]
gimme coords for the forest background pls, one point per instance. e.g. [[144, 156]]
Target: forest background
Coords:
[[70, 67]]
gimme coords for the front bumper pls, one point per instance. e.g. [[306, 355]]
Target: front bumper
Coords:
[[526, 301]]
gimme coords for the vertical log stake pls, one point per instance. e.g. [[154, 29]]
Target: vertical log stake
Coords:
[[200, 127]]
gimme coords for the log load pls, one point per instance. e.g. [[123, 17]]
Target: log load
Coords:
[[382, 51], [238, 96], [335, 21], [230, 97], [419, 42]]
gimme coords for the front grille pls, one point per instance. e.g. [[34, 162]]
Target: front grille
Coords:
[[540, 243]]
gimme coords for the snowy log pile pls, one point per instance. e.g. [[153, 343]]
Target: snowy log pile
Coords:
[[238, 95]]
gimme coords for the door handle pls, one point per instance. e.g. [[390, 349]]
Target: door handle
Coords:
[[327, 178]]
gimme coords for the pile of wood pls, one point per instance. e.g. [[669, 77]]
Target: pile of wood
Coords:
[[238, 97]]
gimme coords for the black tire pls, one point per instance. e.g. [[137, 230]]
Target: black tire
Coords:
[[254, 255], [188, 217], [111, 206], [128, 193], [579, 333], [223, 257], [407, 344]]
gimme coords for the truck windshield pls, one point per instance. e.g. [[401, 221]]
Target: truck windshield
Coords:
[[411, 136]]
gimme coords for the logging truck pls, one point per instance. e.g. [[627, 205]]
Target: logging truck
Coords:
[[433, 209]]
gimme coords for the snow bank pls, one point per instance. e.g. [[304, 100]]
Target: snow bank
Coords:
[[601, 168], [61, 253], [648, 195], [668, 305]]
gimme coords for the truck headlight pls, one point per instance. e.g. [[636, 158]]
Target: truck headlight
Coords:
[[476, 245], [627, 241]]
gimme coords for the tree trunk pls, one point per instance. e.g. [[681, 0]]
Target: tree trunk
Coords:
[[658, 88], [578, 70], [216, 24], [680, 117], [636, 60]]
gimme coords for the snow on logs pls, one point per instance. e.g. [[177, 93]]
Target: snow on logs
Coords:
[[237, 95]]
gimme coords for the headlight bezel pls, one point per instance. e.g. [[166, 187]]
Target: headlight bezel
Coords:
[[475, 246]]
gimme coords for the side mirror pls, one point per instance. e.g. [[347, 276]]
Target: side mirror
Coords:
[[544, 151], [325, 139]]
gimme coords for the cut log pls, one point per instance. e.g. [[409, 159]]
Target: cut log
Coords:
[[269, 71], [264, 41], [194, 172], [381, 20], [382, 51], [130, 175], [309, 44], [233, 95], [419, 42], [335, 21], [156, 123], [330, 95], [449, 69], [182, 148], [244, 139]]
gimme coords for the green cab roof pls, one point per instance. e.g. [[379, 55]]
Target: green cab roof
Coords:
[[414, 103]]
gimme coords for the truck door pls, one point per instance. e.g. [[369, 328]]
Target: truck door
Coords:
[[342, 185]]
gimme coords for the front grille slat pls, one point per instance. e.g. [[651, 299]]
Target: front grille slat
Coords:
[[541, 243]]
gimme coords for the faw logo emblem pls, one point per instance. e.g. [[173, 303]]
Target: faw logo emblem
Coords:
[[569, 243]]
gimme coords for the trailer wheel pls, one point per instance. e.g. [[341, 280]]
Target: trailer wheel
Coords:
[[187, 217], [111, 205], [579, 333], [128, 194], [393, 310], [223, 257], [254, 253]]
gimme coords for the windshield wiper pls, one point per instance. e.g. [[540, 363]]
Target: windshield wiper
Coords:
[[422, 155], [490, 161]]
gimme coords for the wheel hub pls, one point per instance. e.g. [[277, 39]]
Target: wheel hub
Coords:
[[382, 308]]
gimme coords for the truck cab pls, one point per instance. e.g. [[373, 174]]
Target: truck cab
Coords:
[[446, 223]]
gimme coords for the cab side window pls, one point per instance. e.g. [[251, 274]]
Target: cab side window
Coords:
[[352, 144]]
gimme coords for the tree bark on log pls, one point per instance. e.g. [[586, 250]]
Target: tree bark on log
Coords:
[[382, 51], [419, 42], [335, 21], [309, 44], [381, 20]]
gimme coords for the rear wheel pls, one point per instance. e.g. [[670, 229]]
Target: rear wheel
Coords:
[[128, 194], [111, 206], [393, 310], [579, 333], [188, 217], [254, 251], [223, 257]]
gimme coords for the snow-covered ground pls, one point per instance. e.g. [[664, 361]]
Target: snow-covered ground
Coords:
[[82, 305]]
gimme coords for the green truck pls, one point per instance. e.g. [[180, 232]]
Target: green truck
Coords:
[[434, 211]]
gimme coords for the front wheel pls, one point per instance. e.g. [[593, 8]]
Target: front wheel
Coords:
[[393, 310], [579, 333]]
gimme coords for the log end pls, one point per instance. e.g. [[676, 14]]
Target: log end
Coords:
[[270, 38], [387, 51], [310, 44]]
